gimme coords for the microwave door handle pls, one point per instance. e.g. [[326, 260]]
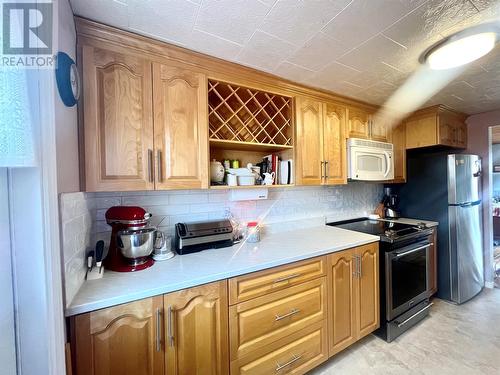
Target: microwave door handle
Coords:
[[388, 162]]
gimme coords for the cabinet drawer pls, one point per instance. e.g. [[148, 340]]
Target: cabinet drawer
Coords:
[[295, 354], [243, 288], [263, 320]]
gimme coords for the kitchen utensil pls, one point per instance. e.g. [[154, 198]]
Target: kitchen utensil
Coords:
[[246, 180], [162, 247], [99, 250], [136, 244], [216, 171], [123, 218], [269, 178], [90, 263], [232, 180]]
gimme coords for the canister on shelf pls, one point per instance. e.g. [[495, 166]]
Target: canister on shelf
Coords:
[[235, 163]]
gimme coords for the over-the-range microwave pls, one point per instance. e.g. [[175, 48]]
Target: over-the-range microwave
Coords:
[[369, 160]]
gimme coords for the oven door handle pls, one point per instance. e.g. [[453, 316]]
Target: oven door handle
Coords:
[[402, 254], [414, 315]]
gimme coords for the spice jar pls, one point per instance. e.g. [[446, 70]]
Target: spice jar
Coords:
[[253, 232]]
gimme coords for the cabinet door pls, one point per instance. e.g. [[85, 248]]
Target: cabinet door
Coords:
[[359, 123], [421, 131], [309, 142], [335, 144], [446, 132], [197, 330], [368, 313], [117, 121], [380, 129], [399, 144], [124, 340], [461, 135], [180, 127], [341, 301]]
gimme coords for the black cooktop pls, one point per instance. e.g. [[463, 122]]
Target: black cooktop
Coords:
[[387, 230]]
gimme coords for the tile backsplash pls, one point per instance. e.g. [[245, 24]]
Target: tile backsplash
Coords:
[[83, 221]]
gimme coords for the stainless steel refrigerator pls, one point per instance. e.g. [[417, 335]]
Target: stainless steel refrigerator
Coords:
[[447, 189]]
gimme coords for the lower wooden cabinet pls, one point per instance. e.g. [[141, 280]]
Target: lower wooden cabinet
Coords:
[[284, 320], [120, 340], [353, 305], [196, 330]]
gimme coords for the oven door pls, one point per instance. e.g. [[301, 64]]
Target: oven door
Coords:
[[407, 277], [370, 164]]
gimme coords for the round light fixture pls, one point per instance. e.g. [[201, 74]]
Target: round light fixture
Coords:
[[461, 48]]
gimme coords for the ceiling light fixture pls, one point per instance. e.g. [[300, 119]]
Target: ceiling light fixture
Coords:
[[461, 48]]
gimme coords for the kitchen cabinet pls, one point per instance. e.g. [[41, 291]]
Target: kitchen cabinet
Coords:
[[398, 140], [145, 124], [197, 330], [320, 142], [353, 295], [124, 339], [362, 124], [180, 128], [436, 126], [118, 122]]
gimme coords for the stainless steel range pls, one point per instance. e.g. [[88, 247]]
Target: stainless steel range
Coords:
[[404, 272]]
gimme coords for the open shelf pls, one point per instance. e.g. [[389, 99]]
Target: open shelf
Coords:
[[246, 115], [225, 187], [247, 146]]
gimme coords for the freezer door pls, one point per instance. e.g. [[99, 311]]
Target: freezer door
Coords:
[[464, 178], [466, 252]]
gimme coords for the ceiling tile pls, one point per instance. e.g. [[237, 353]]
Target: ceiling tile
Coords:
[[171, 21], [318, 52], [485, 4], [112, 13], [363, 19], [213, 45], [265, 51], [234, 20], [293, 72], [371, 53], [296, 20], [425, 23]]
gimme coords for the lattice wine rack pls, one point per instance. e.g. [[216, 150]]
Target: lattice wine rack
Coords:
[[241, 114]]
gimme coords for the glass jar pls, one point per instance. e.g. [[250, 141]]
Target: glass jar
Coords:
[[253, 232]]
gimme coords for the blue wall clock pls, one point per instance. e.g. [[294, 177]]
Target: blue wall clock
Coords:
[[68, 79]]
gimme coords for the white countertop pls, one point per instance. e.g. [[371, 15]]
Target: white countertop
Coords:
[[185, 271]]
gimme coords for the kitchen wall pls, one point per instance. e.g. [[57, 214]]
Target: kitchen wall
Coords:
[[83, 221], [68, 178], [77, 213], [479, 143]]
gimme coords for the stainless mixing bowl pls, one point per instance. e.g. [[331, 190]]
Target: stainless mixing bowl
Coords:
[[136, 244]]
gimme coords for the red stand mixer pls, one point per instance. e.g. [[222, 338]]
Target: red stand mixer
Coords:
[[131, 241]]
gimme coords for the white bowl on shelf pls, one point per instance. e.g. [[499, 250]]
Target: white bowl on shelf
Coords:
[[246, 180]]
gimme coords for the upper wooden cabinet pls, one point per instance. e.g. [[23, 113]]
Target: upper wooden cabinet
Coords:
[[197, 330], [362, 124], [320, 142], [125, 340], [353, 305], [144, 124], [180, 128], [398, 140], [118, 122], [436, 126]]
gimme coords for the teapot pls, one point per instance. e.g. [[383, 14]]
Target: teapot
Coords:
[[269, 178]]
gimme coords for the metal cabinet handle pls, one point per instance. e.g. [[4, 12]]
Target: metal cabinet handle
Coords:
[[150, 165], [294, 359], [360, 265], [355, 272], [286, 278], [292, 312], [322, 163], [159, 163], [158, 330], [326, 169], [170, 328]]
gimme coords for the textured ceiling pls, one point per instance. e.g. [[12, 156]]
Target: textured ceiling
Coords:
[[364, 49]]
